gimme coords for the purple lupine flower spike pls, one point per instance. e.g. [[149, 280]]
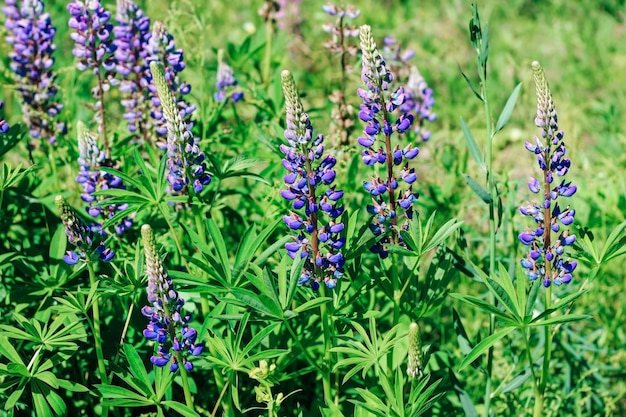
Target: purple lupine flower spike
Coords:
[[132, 37], [93, 179], [94, 50], [80, 235], [32, 36], [226, 83], [4, 126], [316, 202], [162, 48], [185, 161], [546, 258], [389, 201], [169, 324]]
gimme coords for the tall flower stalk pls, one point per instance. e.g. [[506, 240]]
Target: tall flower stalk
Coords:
[[316, 202], [32, 36], [390, 202], [226, 83], [546, 260], [79, 234], [131, 37], [185, 161], [94, 50], [169, 324], [317, 208]]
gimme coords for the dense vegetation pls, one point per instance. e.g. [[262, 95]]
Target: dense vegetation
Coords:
[[290, 208]]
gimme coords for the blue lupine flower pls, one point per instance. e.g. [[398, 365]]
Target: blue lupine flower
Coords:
[[81, 235], [169, 325], [32, 36], [546, 258], [316, 202], [389, 202], [131, 37], [162, 48], [4, 126], [94, 50], [185, 161], [93, 179], [226, 83]]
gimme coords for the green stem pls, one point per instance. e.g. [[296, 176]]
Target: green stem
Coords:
[[327, 344], [120, 345], [227, 410], [531, 363], [95, 329], [267, 59], [545, 372], [185, 380], [492, 230]]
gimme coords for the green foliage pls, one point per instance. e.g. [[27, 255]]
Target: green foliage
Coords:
[[495, 343]]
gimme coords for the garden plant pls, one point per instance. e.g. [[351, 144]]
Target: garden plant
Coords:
[[289, 208]]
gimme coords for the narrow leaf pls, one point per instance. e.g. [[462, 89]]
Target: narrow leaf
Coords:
[[505, 116], [472, 146]]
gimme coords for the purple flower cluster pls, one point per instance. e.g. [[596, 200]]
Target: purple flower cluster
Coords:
[[131, 38], [185, 161], [388, 199], [94, 49], [419, 102], [162, 48], [419, 99], [169, 325], [316, 202], [4, 126], [93, 179], [81, 235], [226, 83], [31, 35], [546, 257]]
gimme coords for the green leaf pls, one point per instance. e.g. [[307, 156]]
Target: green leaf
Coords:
[[114, 392], [484, 306], [442, 234], [138, 369], [482, 347], [260, 302], [472, 146], [470, 83], [311, 304], [561, 319], [7, 350], [478, 189], [180, 408], [505, 116]]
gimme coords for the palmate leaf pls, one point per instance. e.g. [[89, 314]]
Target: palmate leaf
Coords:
[[362, 356]]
